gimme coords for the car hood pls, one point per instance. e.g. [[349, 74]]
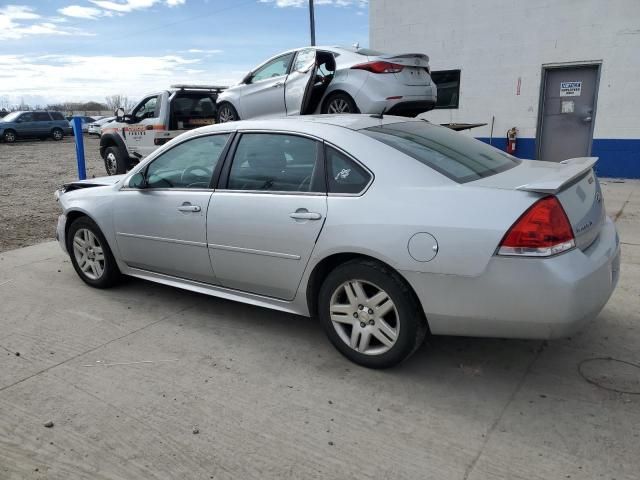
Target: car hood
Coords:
[[92, 182]]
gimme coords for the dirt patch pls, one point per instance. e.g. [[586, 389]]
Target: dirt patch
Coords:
[[30, 171]]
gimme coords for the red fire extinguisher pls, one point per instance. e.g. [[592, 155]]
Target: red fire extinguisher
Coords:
[[512, 134]]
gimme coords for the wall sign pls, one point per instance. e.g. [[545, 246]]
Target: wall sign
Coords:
[[570, 89]]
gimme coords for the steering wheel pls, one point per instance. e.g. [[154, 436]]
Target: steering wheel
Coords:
[[207, 172]]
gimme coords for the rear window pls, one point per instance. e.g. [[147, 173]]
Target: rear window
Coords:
[[462, 159]]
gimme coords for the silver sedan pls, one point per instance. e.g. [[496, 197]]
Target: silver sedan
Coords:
[[385, 229]]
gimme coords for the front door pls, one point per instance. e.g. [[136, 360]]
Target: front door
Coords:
[[300, 81], [161, 222], [140, 134], [263, 95], [568, 112], [26, 125], [262, 227]]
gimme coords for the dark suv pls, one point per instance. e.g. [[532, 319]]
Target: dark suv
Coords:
[[34, 124]]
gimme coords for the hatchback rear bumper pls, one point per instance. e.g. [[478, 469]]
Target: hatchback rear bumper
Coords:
[[524, 297]]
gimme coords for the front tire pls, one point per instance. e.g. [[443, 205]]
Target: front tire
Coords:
[[370, 314], [339, 103], [57, 134], [90, 254], [226, 113], [114, 161], [9, 136]]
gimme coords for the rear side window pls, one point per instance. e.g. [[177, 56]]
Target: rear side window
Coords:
[[56, 115], [461, 158], [345, 175], [41, 117]]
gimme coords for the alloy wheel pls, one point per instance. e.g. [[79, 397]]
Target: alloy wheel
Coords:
[[339, 105], [9, 137], [57, 135], [226, 115], [365, 317], [88, 253], [111, 163]]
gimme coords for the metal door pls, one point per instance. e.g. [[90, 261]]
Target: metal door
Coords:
[[567, 112], [25, 125], [300, 81]]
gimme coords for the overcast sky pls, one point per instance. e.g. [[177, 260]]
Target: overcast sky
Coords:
[[76, 50]]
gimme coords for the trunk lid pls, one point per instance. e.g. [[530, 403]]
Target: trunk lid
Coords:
[[572, 181], [415, 64]]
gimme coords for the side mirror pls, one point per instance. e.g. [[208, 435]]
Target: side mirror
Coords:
[[138, 181], [119, 114], [247, 78]]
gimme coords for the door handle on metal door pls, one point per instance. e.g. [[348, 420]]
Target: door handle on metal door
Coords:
[[305, 215], [187, 207], [586, 119]]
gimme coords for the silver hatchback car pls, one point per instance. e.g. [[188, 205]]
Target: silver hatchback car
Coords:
[[384, 228], [331, 80]]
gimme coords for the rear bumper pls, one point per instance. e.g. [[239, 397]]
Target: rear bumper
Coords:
[[524, 297]]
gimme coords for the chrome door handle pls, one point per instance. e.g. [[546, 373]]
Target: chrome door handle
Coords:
[[187, 207], [305, 216], [586, 119]]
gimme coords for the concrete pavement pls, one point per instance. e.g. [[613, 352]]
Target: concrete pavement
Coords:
[[269, 397]]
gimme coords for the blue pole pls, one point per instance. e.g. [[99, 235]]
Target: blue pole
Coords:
[[77, 132]]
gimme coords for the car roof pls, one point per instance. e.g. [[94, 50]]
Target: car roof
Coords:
[[350, 121]]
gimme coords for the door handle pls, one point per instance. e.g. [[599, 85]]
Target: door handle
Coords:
[[586, 119], [305, 215], [278, 85], [187, 207]]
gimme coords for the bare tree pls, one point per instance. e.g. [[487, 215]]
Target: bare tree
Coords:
[[114, 102]]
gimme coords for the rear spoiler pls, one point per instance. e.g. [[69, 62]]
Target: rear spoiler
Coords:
[[574, 168]]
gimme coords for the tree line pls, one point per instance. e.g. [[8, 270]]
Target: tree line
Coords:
[[111, 103]]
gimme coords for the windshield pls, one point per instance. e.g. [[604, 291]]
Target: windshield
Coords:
[[461, 158], [11, 117]]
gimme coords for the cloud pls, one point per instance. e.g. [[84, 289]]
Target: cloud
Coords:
[[57, 78], [199, 50], [80, 12], [304, 3], [18, 21], [126, 6]]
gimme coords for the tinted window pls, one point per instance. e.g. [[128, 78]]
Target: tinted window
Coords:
[[26, 117], [453, 154], [41, 117], [147, 109], [345, 175], [187, 165], [275, 68], [274, 162], [56, 115]]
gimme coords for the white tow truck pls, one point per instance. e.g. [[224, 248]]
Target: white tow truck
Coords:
[[155, 120]]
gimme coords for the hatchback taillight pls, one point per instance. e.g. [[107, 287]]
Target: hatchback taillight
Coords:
[[379, 67], [543, 230]]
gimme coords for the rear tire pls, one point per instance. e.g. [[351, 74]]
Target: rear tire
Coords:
[[226, 113], [338, 103], [9, 136], [90, 254], [114, 161], [57, 134], [370, 314]]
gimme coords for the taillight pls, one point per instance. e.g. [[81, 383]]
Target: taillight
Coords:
[[543, 230], [379, 67]]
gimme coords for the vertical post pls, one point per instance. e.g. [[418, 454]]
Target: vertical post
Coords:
[[312, 23], [77, 132]]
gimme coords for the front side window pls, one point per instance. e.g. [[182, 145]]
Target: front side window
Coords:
[[275, 68], [187, 165], [344, 175], [461, 158], [26, 117], [147, 109], [275, 162]]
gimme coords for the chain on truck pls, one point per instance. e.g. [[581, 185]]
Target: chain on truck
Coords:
[[155, 120]]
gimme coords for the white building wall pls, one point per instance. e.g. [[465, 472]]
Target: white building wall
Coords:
[[495, 42]]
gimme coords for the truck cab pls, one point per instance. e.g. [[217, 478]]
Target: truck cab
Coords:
[[155, 120]]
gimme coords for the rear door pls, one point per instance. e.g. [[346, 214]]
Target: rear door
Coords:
[[300, 81], [263, 224], [263, 95], [42, 122]]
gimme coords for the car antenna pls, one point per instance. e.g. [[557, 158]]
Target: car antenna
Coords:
[[379, 115]]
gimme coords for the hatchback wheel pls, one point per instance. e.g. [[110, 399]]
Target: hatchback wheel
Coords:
[[340, 103], [9, 136], [90, 254], [226, 113], [57, 134], [370, 314]]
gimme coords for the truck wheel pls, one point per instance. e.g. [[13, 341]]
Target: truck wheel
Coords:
[[226, 113], [114, 161], [9, 136], [57, 134]]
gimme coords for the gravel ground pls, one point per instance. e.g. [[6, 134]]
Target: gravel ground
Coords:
[[30, 171]]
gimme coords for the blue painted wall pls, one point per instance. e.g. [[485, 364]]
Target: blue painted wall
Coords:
[[619, 158]]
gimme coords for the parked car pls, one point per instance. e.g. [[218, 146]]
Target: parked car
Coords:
[[95, 128], [383, 228], [40, 124], [86, 121], [155, 120], [331, 80]]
